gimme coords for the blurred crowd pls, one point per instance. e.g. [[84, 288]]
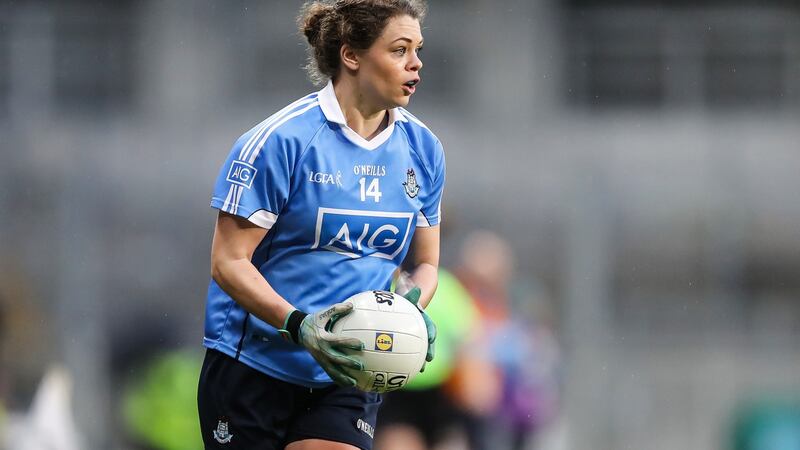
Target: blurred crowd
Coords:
[[494, 383]]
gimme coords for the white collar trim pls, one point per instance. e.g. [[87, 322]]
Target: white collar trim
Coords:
[[333, 112]]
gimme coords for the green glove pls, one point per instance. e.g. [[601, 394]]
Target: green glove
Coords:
[[311, 331], [413, 297]]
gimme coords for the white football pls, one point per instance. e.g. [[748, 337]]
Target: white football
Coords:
[[394, 336]]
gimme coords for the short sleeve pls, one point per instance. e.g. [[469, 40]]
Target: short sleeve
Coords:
[[255, 179], [431, 212]]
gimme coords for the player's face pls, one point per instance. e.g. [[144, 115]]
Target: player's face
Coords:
[[389, 70]]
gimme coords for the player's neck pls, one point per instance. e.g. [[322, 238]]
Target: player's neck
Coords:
[[366, 119]]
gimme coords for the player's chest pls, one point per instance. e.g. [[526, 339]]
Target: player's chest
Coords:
[[384, 180], [360, 203]]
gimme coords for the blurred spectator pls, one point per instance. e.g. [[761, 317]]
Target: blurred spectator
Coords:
[[138, 359], [23, 326], [160, 408], [520, 350], [49, 422], [2, 373], [421, 415], [35, 412], [767, 424]]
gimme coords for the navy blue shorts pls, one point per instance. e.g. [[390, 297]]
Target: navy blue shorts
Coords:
[[242, 408]]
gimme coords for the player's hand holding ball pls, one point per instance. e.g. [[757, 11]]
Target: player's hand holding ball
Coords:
[[406, 288], [395, 339], [326, 347]]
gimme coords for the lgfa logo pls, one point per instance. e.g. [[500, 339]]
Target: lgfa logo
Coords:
[[384, 342], [325, 178]]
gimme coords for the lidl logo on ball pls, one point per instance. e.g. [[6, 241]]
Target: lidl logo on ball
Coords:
[[242, 174], [384, 342]]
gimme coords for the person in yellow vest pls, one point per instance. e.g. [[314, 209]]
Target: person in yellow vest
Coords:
[[160, 406], [423, 414]]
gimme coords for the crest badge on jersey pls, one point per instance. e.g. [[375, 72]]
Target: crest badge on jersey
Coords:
[[221, 434], [412, 188]]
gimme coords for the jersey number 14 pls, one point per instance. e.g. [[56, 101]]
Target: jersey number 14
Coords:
[[373, 190]]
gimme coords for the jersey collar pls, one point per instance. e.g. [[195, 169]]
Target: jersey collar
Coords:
[[333, 112]]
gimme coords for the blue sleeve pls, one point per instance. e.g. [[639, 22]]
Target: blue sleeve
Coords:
[[255, 179], [431, 212]]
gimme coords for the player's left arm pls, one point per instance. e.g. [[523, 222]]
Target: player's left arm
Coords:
[[425, 271], [421, 284], [425, 241]]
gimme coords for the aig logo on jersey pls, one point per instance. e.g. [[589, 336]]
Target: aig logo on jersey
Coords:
[[242, 174], [357, 233]]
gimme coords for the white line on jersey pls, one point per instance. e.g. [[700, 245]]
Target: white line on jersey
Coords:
[[263, 140], [238, 197], [413, 119], [228, 198], [269, 121], [255, 153]]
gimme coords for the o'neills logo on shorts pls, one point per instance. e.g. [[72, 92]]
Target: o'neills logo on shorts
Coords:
[[365, 427]]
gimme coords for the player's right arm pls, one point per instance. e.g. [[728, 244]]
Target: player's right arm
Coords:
[[251, 190], [235, 240]]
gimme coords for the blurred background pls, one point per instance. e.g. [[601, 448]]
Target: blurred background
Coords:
[[634, 163]]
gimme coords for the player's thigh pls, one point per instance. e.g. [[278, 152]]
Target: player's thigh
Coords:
[[319, 444], [400, 437], [336, 418]]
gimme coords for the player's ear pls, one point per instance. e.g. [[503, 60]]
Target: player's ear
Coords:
[[349, 57]]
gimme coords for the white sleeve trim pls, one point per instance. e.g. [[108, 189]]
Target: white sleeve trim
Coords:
[[263, 218], [422, 221]]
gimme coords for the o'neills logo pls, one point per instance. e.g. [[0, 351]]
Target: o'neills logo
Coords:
[[368, 170], [365, 427]]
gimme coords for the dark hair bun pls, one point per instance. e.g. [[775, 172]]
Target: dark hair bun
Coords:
[[311, 21]]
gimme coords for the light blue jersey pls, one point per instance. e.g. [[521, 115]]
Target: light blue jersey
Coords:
[[340, 211]]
